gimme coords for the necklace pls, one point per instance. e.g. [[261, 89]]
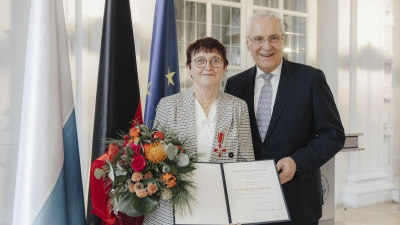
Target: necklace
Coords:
[[206, 107], [206, 111]]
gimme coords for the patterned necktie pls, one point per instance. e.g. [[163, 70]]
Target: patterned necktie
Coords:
[[264, 106]]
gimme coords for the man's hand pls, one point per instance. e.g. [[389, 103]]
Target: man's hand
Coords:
[[287, 169]]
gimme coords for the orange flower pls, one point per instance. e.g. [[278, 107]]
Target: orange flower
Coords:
[[146, 146], [134, 140], [136, 186], [169, 179], [152, 188], [148, 175], [134, 133], [132, 188], [155, 152], [158, 135], [113, 150], [141, 193], [137, 177]]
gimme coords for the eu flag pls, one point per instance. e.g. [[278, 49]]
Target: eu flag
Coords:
[[164, 67]]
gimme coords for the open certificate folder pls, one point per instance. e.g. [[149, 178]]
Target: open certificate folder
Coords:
[[241, 192]]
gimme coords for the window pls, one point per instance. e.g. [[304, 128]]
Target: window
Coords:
[[190, 25], [226, 20], [226, 28]]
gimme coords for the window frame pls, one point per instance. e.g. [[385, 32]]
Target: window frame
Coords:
[[247, 8]]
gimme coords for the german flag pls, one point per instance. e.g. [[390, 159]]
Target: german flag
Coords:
[[117, 100]]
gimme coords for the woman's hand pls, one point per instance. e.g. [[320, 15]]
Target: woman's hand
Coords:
[[236, 224]]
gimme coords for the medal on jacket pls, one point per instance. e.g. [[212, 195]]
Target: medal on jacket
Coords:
[[220, 149]]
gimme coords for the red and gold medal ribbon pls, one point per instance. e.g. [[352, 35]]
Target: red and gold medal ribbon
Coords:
[[220, 148]]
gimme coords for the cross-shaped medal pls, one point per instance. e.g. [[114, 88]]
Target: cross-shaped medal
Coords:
[[220, 148]]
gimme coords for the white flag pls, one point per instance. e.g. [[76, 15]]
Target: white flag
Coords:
[[49, 185]]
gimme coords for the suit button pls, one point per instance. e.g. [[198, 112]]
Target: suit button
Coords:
[[264, 151], [231, 155]]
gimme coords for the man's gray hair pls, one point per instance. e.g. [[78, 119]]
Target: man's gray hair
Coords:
[[266, 14]]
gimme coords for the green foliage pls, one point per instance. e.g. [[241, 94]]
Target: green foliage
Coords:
[[182, 160], [183, 195], [98, 173], [149, 180], [172, 151], [186, 169], [146, 205]]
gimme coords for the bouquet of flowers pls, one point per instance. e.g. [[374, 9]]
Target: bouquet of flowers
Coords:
[[145, 166]]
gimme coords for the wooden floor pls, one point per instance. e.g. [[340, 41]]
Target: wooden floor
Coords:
[[385, 214]]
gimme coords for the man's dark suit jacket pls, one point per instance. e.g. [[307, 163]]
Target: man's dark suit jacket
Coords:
[[305, 125]]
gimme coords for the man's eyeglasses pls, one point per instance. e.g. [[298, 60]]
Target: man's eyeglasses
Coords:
[[201, 63], [272, 39]]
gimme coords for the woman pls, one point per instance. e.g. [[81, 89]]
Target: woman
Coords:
[[205, 116]]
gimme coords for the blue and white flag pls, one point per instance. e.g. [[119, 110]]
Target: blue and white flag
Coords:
[[49, 185], [164, 66]]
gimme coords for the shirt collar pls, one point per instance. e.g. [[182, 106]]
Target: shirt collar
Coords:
[[277, 71]]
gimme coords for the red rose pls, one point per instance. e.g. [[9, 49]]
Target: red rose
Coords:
[[158, 135], [136, 148], [138, 163], [113, 150]]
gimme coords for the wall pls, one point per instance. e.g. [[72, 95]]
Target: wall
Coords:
[[354, 45], [396, 100], [14, 17], [333, 59]]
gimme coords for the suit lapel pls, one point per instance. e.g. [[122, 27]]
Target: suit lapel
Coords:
[[223, 120], [285, 86], [185, 117], [249, 98]]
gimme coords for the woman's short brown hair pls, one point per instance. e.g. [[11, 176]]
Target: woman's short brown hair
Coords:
[[207, 44]]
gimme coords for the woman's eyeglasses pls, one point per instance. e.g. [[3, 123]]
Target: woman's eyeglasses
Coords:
[[201, 63]]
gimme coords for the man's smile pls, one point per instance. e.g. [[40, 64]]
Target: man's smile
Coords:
[[266, 55]]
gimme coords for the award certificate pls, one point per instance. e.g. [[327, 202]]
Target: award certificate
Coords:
[[241, 192]]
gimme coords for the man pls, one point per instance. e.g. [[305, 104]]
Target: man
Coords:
[[293, 116]]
